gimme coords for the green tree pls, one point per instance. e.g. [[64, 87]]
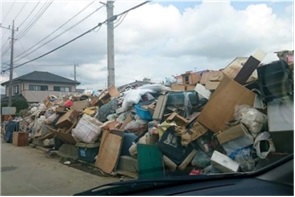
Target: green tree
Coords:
[[20, 103]]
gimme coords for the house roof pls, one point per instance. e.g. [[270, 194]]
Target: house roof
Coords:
[[44, 77], [133, 84]]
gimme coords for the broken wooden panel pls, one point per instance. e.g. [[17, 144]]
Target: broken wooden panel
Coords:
[[249, 67], [109, 151], [221, 105]]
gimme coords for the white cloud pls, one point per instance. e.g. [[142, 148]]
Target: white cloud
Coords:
[[157, 41]]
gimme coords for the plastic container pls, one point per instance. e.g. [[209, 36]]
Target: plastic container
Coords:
[[87, 152], [143, 113]]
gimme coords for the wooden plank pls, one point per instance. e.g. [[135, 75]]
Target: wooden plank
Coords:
[[249, 67], [109, 151], [221, 106]]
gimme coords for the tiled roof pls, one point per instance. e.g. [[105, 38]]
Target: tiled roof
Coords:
[[44, 77]]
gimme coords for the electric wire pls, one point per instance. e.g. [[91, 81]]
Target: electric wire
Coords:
[[61, 33], [34, 20], [21, 10], [81, 35], [8, 12], [31, 12], [56, 29], [120, 20]]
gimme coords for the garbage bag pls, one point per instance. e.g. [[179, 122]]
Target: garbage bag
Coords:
[[251, 117], [263, 145], [245, 159]]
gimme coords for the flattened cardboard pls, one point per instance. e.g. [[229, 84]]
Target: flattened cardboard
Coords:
[[109, 151], [221, 106]]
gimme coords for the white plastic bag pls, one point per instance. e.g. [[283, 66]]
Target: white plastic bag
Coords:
[[87, 130], [251, 117], [51, 118], [264, 136], [132, 97]]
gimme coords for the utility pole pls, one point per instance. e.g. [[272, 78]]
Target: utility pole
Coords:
[[110, 44], [75, 73], [11, 63]]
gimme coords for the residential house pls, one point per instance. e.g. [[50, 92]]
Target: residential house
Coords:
[[37, 85]]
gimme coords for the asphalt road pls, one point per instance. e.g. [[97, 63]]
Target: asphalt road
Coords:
[[27, 171]]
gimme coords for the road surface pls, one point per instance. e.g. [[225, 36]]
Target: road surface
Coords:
[[27, 171]]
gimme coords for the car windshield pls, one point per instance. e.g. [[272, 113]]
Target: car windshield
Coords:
[[143, 90]]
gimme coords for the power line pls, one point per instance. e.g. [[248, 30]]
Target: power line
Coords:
[[61, 45], [8, 11], [21, 10], [62, 33], [56, 29], [31, 12], [34, 20], [81, 35], [120, 20]]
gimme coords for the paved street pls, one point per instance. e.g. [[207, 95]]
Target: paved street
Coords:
[[27, 171]]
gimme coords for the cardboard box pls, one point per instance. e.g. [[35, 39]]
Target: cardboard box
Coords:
[[182, 87], [178, 87], [231, 133], [105, 96], [68, 119], [220, 107], [60, 110], [212, 85], [223, 163], [179, 120], [211, 76], [20, 139], [197, 130], [80, 105]]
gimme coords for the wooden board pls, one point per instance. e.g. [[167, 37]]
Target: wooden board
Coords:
[[221, 106], [109, 151]]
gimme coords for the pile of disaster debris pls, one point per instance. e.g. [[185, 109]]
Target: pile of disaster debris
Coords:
[[241, 122]]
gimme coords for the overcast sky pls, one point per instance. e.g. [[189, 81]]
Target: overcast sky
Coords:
[[157, 40]]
